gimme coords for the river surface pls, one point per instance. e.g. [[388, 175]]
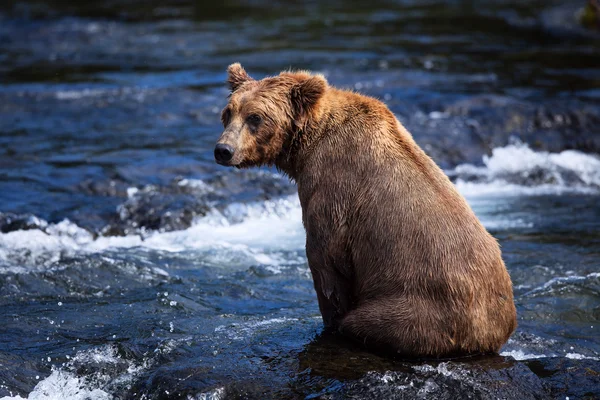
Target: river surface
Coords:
[[134, 267]]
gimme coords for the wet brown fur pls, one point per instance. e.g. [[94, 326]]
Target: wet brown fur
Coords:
[[399, 260]]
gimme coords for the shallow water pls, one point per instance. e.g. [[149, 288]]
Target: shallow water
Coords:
[[132, 266]]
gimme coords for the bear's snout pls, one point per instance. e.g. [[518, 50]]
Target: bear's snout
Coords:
[[223, 153]]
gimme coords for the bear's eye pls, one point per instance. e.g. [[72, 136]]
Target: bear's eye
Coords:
[[226, 116], [254, 120]]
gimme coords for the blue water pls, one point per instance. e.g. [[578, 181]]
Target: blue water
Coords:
[[132, 266]]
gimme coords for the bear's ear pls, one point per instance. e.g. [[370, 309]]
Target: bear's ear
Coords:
[[305, 95], [236, 76]]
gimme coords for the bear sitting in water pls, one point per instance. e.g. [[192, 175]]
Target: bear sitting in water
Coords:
[[399, 260]]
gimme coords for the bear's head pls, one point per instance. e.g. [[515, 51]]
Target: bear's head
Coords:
[[265, 118]]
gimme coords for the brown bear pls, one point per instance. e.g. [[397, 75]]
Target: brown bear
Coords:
[[399, 260]]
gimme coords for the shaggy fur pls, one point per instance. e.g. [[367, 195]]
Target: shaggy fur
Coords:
[[399, 260]]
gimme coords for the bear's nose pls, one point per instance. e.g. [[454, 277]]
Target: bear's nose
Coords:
[[223, 153]]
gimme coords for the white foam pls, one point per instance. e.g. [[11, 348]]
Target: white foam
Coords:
[[37, 248], [441, 369], [197, 184], [560, 281], [519, 158], [520, 355], [265, 233], [502, 223], [389, 378], [62, 385], [215, 394], [241, 331], [255, 233], [449, 370], [577, 356], [105, 354], [78, 94], [503, 188], [569, 171], [274, 225]]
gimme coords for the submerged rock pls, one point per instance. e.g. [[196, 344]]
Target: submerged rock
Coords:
[[481, 123], [157, 209], [10, 222], [567, 377], [350, 372], [341, 373], [175, 206], [451, 380]]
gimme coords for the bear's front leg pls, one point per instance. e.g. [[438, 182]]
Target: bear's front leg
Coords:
[[333, 288], [330, 304]]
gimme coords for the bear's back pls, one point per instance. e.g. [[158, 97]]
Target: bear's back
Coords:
[[408, 230]]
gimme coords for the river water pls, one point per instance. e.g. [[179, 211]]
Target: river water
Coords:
[[134, 267]]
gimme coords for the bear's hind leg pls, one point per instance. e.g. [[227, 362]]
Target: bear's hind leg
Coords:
[[406, 328]]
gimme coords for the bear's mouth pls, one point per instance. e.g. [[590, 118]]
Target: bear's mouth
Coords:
[[224, 163], [230, 164]]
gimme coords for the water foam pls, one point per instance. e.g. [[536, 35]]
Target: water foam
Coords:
[[63, 385], [265, 233], [520, 355], [215, 394], [554, 286], [528, 346], [255, 233], [241, 331], [577, 356], [252, 233], [105, 369], [39, 248], [518, 170]]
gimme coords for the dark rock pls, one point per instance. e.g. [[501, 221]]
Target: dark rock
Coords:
[[157, 209], [352, 373], [485, 379], [175, 206], [14, 222], [471, 127], [565, 377], [111, 187]]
